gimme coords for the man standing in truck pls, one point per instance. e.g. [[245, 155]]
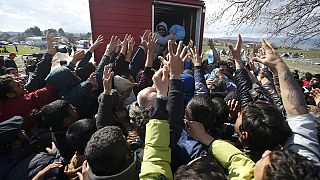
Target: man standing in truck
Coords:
[[163, 37]]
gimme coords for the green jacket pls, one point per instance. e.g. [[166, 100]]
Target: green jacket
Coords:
[[239, 166], [157, 155]]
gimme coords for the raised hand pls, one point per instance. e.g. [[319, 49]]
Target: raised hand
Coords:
[[234, 107], [272, 59], [107, 80], [111, 46], [97, 43], [210, 44], [144, 38], [196, 58], [175, 63], [50, 40], [236, 53], [53, 148], [78, 55], [124, 44], [152, 41], [161, 82], [130, 49], [93, 80], [85, 169]]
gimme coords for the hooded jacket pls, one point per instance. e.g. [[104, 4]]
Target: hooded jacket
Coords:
[[79, 94], [162, 40]]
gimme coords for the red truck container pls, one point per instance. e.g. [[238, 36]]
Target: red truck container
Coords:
[[119, 17]]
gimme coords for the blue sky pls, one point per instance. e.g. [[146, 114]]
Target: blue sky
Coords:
[[73, 16]]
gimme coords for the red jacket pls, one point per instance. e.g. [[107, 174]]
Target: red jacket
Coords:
[[23, 105]]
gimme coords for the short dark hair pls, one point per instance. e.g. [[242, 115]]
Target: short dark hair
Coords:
[[222, 110], [205, 168], [106, 151], [9, 69], [200, 108], [4, 86], [222, 63], [231, 95], [218, 85], [266, 126], [308, 76], [53, 114], [79, 134], [289, 165]]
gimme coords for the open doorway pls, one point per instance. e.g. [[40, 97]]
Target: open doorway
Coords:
[[187, 16]]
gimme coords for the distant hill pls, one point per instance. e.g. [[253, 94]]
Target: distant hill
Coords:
[[10, 32]]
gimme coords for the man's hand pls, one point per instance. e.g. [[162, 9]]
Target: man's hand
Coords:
[[196, 131], [152, 41], [93, 80], [78, 55], [272, 59], [236, 53], [234, 108], [97, 43], [196, 58], [47, 169], [50, 38], [124, 44], [111, 46], [210, 44], [85, 169], [52, 150], [175, 63], [130, 49], [107, 80], [161, 82], [144, 38], [315, 93], [292, 97]]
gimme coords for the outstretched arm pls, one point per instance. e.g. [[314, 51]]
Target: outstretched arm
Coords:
[[292, 96], [37, 80], [105, 115]]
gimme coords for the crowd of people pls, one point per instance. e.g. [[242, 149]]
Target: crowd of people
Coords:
[[160, 112]]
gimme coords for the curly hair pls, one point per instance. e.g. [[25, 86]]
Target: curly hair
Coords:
[[5, 87], [286, 165]]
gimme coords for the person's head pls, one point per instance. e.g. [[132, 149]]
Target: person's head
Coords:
[[107, 151], [140, 117], [146, 98], [59, 115], [315, 83], [223, 65], [262, 126], [283, 164], [218, 85], [10, 88], [79, 134], [200, 108], [202, 168], [308, 76], [12, 55], [162, 28], [222, 110], [12, 137], [12, 71]]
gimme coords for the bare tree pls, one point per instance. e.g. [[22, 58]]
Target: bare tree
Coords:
[[295, 20]]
